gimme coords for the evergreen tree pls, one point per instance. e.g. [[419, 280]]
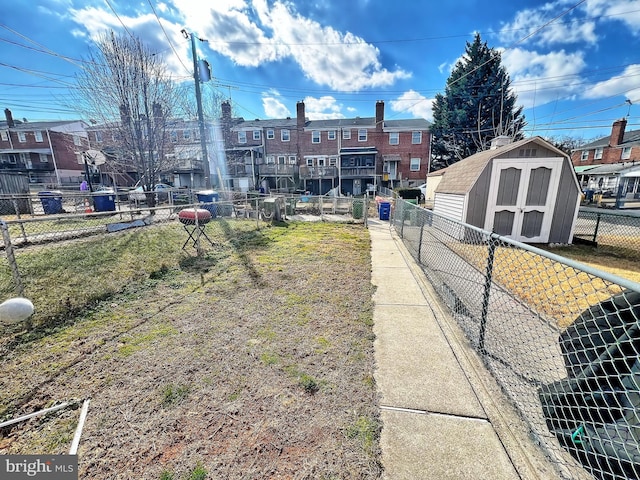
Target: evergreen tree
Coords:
[[477, 106]]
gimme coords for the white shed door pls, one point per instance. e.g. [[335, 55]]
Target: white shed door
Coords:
[[521, 198]]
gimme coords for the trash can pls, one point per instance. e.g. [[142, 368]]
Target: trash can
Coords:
[[208, 199], [358, 208], [104, 203], [51, 202], [384, 210]]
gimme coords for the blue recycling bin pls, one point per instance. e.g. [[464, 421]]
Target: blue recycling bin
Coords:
[[384, 210], [208, 198], [104, 203], [51, 202]]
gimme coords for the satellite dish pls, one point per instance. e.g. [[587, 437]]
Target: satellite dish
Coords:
[[15, 310], [95, 157]]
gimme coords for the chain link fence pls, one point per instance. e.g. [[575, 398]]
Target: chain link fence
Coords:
[[56, 219], [562, 339], [615, 229]]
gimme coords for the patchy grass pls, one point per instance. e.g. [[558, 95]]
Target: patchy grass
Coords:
[[247, 362]]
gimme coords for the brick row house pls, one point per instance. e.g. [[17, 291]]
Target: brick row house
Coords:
[[611, 164], [349, 155], [48, 153], [181, 163]]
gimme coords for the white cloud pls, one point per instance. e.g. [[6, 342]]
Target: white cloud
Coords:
[[414, 103], [254, 32], [322, 108], [625, 11], [539, 78], [273, 106], [537, 24], [627, 84]]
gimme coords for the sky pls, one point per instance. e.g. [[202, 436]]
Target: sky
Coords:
[[574, 65]]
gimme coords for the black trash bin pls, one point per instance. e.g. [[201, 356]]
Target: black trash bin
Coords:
[[51, 202], [105, 202], [208, 198]]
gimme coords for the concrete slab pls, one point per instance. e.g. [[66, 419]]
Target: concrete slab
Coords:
[[435, 447], [415, 366], [394, 286]]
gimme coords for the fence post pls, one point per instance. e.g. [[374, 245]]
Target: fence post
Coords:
[[485, 295], [404, 205], [421, 236], [595, 232], [17, 281]]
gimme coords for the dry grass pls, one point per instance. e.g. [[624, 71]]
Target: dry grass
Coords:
[[553, 289], [252, 361]]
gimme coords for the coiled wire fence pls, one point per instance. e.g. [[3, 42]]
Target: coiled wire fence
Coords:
[[563, 340]]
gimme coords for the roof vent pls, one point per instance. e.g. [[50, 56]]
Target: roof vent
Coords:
[[500, 141]]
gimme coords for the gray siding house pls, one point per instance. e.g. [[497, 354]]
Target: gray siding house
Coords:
[[526, 190]]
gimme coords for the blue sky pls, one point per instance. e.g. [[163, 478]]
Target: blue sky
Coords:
[[575, 65]]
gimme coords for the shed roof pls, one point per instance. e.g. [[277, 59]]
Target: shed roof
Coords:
[[460, 177]]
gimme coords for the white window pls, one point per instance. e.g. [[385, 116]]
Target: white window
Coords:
[[362, 135], [598, 153], [416, 138], [24, 158], [98, 136], [315, 136], [186, 134], [415, 165], [331, 135], [22, 137], [346, 134], [626, 153], [256, 134], [4, 135], [281, 159], [285, 135], [310, 162], [174, 137], [270, 134], [38, 135], [333, 161], [270, 159], [321, 162], [394, 138], [292, 159], [44, 158], [242, 137], [584, 155]]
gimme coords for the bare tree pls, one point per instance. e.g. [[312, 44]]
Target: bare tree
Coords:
[[126, 89]]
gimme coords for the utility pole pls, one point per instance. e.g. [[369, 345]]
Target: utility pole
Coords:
[[203, 139]]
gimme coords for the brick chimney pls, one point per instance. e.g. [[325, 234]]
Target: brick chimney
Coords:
[[301, 120], [379, 115], [226, 110], [617, 132], [9, 117]]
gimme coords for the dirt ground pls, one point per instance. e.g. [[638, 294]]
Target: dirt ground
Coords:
[[254, 361]]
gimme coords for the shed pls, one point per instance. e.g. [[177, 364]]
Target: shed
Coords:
[[525, 190]]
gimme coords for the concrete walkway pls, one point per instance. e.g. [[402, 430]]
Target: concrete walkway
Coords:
[[443, 415]]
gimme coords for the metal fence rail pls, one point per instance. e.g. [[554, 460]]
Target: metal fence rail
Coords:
[[50, 229], [615, 229], [562, 339]]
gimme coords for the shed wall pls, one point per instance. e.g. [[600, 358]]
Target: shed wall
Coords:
[[565, 208], [478, 198], [449, 205]]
